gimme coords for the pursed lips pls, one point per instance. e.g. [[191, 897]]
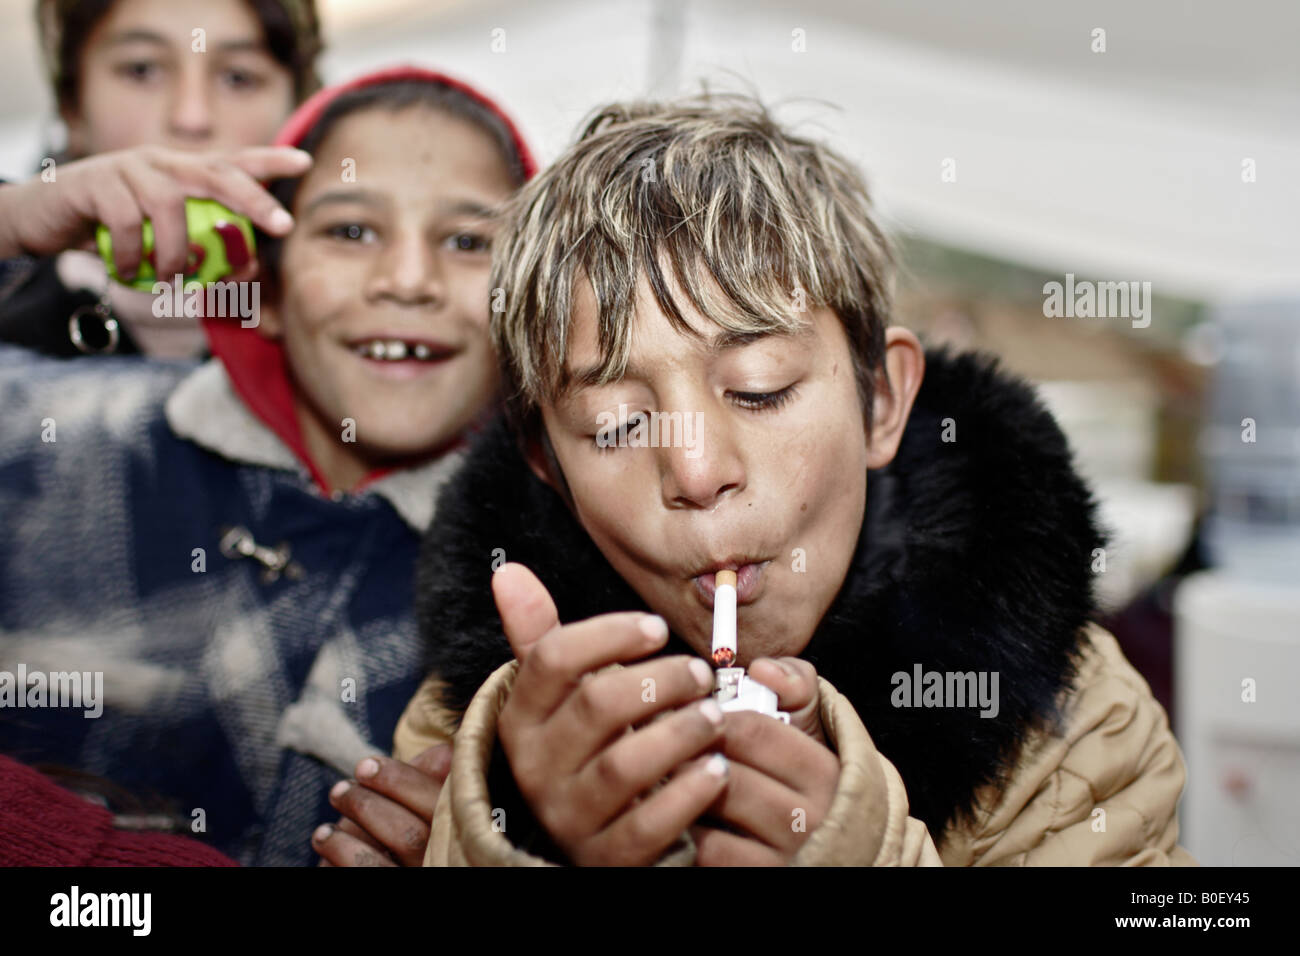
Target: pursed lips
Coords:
[[749, 580]]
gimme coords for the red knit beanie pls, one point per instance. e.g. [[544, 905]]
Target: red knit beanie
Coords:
[[41, 824]]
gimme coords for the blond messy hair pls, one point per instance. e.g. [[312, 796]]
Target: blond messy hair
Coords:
[[753, 224]]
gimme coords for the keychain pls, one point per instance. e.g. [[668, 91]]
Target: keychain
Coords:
[[221, 243], [104, 313]]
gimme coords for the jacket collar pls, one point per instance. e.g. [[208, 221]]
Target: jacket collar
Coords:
[[974, 555], [204, 409]]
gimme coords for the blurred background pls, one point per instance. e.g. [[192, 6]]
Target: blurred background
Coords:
[[1010, 144]]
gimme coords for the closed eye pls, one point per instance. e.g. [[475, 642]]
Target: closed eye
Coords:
[[611, 438], [763, 401], [607, 439]]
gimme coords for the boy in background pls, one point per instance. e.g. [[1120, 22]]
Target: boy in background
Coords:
[[232, 545]]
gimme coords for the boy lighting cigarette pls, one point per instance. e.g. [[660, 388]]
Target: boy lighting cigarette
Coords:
[[629, 289]]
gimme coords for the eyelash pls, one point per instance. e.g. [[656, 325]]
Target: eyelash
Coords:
[[753, 401], [143, 70], [764, 401], [340, 231], [620, 436]]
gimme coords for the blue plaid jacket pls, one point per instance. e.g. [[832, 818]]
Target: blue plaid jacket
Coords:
[[226, 688]]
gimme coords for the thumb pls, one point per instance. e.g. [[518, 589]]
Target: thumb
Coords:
[[526, 609], [435, 761], [795, 683]]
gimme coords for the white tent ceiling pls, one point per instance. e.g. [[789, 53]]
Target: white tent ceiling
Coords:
[[1119, 165]]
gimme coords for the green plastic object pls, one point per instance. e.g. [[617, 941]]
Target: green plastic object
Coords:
[[221, 242]]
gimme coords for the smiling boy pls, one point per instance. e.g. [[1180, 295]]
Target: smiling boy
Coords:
[[884, 510]]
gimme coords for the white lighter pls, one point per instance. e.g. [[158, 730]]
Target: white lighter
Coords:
[[732, 689]]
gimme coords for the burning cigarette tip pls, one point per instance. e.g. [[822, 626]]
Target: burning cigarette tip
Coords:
[[724, 618]]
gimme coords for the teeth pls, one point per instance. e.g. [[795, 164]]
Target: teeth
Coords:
[[394, 350]]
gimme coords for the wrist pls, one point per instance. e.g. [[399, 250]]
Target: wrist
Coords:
[[11, 214], [521, 825]]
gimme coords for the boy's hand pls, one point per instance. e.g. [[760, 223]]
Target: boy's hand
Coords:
[[121, 189], [783, 778], [387, 811], [795, 683], [567, 731]]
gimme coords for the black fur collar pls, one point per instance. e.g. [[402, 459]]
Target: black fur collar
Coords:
[[975, 555]]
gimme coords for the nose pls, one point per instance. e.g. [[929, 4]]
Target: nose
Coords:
[[699, 467], [190, 118], [408, 272]]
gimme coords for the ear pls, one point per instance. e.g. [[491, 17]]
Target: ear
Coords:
[[76, 133], [270, 322], [904, 366], [540, 457], [536, 458], [542, 462]]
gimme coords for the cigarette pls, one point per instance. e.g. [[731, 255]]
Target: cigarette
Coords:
[[724, 618]]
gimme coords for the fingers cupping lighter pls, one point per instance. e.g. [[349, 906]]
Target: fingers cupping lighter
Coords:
[[733, 690]]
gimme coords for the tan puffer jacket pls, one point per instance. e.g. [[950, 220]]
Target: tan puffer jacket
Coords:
[[1103, 793]]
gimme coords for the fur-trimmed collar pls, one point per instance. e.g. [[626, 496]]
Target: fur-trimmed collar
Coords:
[[974, 555], [204, 409]]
